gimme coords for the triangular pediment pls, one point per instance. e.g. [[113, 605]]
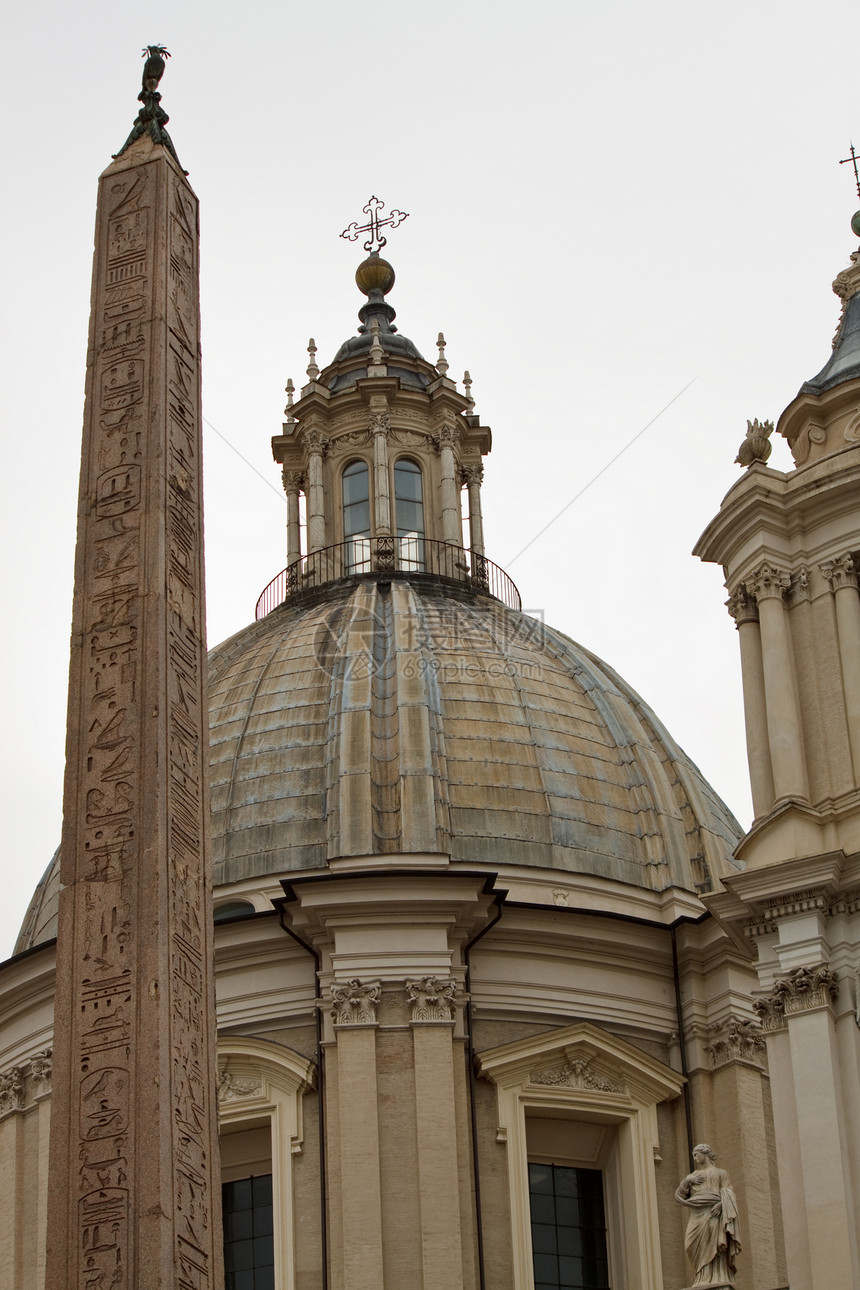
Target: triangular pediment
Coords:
[[581, 1057]]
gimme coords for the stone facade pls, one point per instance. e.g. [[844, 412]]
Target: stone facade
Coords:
[[789, 543]]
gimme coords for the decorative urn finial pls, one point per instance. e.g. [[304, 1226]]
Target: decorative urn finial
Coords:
[[756, 446]]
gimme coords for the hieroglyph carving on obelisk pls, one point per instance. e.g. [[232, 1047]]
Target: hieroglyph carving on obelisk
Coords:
[[133, 1184]]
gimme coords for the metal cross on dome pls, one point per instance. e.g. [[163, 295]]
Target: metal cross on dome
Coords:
[[376, 241], [852, 160]]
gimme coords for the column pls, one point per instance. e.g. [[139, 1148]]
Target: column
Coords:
[[446, 441], [432, 1002], [785, 734], [293, 480], [842, 577], [354, 1015], [818, 1201], [473, 477], [743, 609], [134, 1182], [380, 424], [316, 445]]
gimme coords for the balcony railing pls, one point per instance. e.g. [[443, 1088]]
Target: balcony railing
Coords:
[[370, 557]]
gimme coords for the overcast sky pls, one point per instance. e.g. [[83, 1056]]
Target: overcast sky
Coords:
[[609, 204]]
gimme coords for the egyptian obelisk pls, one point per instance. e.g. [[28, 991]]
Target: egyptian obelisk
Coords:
[[134, 1201]]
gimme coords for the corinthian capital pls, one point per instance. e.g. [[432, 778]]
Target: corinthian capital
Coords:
[[355, 1003], [316, 441], [448, 437], [742, 605], [735, 1040], [293, 480], [804, 989], [840, 572], [768, 582], [472, 474], [380, 423], [432, 999]]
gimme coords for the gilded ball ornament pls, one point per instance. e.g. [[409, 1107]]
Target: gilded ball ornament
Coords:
[[374, 273]]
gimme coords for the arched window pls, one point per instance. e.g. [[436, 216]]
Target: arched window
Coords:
[[409, 514], [356, 516]]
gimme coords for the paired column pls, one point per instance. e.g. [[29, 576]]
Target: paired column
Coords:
[[380, 424], [446, 442], [743, 609], [785, 734], [354, 1006], [842, 577], [815, 1184], [293, 480], [473, 478], [317, 445]]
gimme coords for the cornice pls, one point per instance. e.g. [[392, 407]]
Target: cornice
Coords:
[[768, 508]]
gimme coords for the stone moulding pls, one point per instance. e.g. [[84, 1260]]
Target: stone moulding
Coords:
[[432, 1000], [734, 1040], [355, 1002]]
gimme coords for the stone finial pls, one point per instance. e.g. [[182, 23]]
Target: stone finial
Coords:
[[290, 390], [467, 385], [432, 999], [312, 369], [377, 353], [756, 446], [355, 1002], [441, 362]]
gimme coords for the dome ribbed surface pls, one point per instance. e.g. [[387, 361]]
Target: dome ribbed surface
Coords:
[[409, 718], [404, 719]]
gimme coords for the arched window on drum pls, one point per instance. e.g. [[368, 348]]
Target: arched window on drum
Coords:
[[356, 517], [409, 514]]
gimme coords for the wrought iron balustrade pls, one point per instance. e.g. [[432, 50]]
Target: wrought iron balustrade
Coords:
[[399, 556]]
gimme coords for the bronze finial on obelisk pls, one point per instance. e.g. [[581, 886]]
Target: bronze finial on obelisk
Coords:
[[134, 1201]]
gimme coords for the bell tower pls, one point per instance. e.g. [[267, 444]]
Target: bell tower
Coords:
[[789, 544]]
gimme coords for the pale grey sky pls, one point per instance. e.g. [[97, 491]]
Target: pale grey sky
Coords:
[[606, 202]]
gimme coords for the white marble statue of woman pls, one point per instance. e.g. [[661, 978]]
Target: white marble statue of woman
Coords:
[[712, 1229]]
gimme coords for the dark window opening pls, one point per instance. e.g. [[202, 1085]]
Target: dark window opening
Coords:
[[568, 1228], [249, 1243]]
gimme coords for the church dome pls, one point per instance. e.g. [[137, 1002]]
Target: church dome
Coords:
[[406, 717], [396, 717]]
